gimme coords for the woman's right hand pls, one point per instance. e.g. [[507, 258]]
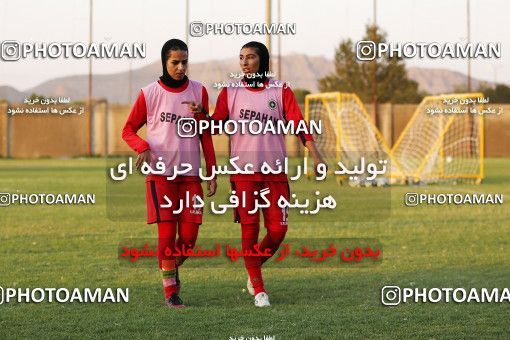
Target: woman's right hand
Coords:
[[143, 157]]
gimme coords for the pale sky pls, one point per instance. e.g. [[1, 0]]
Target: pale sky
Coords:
[[320, 26]]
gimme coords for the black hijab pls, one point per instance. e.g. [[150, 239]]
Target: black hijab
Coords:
[[263, 53], [172, 45]]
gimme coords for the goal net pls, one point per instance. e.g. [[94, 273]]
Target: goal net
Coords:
[[348, 135], [443, 141]]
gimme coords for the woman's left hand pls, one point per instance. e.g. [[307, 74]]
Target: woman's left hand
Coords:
[[211, 187]]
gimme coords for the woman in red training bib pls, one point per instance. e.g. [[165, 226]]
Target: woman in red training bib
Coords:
[[268, 103], [160, 106]]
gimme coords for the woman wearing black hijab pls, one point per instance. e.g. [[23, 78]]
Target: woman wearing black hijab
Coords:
[[263, 99], [160, 106]]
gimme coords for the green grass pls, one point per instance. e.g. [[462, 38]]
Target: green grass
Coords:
[[425, 246]]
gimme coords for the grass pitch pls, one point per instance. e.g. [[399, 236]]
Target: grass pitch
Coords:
[[424, 246]]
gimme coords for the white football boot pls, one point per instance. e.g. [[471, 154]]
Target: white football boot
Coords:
[[262, 300]]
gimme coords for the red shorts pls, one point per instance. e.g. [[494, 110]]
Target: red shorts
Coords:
[[274, 216], [175, 192]]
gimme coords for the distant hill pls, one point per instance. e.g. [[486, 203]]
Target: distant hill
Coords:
[[301, 71], [437, 81], [11, 94]]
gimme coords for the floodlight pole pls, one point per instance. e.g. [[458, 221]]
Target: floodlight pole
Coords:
[[89, 100], [374, 67], [268, 36], [280, 42], [187, 33], [468, 41]]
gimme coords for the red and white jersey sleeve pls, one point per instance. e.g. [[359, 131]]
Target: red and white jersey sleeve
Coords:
[[137, 118], [292, 113]]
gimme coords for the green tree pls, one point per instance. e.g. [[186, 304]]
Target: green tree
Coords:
[[300, 95], [498, 94], [35, 96], [353, 75]]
